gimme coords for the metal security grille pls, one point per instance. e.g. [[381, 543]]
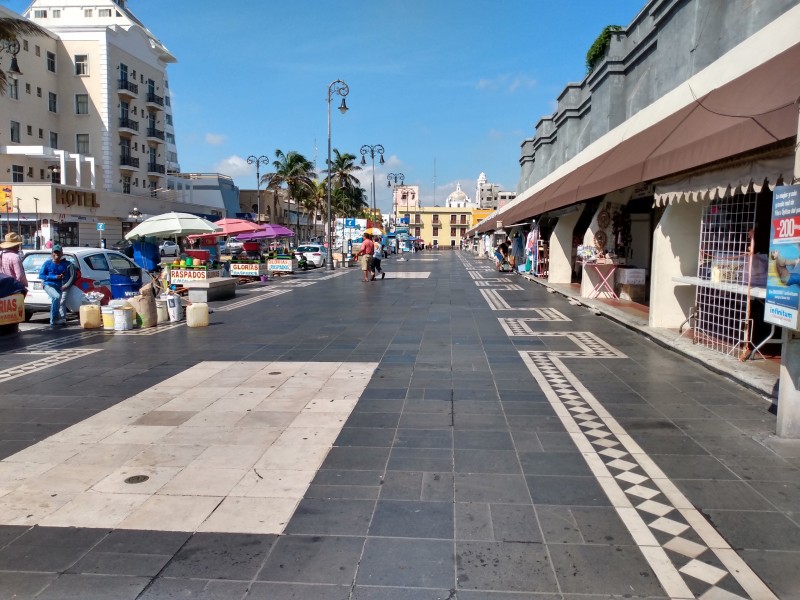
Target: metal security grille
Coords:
[[722, 304]]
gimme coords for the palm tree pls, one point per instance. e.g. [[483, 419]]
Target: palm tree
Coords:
[[316, 201], [10, 28], [341, 169], [295, 172]]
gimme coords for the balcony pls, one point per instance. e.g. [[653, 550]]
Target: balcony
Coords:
[[155, 169], [155, 135], [127, 88], [154, 101], [128, 125], [128, 162]]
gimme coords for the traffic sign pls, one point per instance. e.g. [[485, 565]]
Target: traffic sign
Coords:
[[101, 227], [349, 222]]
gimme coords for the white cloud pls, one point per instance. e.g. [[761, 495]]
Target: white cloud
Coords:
[[235, 166], [507, 83], [214, 139]]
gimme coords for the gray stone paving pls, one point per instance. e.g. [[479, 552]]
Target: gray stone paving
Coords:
[[454, 476]]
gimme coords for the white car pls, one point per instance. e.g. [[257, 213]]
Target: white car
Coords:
[[315, 254], [169, 248], [94, 275]]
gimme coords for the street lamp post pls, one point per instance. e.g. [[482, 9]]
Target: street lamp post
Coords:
[[397, 179], [258, 161], [341, 88], [372, 150]]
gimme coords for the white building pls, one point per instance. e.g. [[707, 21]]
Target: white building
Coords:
[[489, 195], [86, 131], [459, 199]]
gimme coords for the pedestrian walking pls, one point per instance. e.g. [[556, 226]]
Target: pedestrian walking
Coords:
[[53, 273], [10, 259], [376, 259], [365, 254]]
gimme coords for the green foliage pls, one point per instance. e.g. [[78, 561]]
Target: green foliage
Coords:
[[597, 51]]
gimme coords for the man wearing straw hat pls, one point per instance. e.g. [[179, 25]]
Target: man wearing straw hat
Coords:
[[11, 261]]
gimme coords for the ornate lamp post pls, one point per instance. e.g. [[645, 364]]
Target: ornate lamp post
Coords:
[[372, 150], [12, 47], [258, 161], [341, 88], [397, 179]]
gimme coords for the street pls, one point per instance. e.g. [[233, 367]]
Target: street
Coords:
[[449, 432]]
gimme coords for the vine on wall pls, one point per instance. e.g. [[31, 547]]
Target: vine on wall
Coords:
[[597, 51]]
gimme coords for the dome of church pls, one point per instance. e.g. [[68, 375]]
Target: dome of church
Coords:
[[458, 196]]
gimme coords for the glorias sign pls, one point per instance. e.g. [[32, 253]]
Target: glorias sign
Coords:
[[783, 283], [12, 309]]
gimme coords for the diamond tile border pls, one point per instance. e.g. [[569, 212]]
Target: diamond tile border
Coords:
[[639, 491]]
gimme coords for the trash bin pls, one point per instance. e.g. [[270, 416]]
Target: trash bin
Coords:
[[125, 281]]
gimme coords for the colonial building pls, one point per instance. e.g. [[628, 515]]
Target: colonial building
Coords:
[[87, 129], [489, 195]]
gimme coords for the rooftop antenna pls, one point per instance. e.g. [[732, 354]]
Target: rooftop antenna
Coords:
[[434, 181]]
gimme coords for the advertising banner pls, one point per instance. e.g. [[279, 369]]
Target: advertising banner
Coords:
[[248, 269], [12, 309], [281, 265], [783, 281], [6, 199], [182, 276]]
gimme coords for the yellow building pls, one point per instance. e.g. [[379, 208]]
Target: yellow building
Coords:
[[479, 214]]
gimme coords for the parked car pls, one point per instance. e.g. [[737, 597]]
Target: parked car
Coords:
[[232, 247], [124, 246], [94, 275], [315, 254], [169, 248]]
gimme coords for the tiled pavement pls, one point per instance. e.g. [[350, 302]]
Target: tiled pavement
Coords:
[[495, 443]]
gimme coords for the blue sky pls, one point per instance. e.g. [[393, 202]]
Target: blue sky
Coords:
[[461, 83]]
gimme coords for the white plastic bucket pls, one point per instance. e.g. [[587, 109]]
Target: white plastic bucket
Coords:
[[162, 314], [107, 312], [174, 308], [123, 319]]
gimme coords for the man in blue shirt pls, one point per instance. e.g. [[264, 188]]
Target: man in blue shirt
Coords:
[[53, 274]]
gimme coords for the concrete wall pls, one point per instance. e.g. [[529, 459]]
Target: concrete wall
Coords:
[[561, 248], [666, 43], [675, 243]]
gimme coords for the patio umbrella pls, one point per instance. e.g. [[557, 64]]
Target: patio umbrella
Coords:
[[267, 231], [171, 224], [373, 231], [231, 227]]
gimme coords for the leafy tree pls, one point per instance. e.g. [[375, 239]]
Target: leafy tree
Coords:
[[10, 29], [293, 171]]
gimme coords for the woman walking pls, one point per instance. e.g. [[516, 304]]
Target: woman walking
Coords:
[[365, 256]]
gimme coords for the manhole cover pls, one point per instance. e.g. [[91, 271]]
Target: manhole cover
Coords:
[[137, 479]]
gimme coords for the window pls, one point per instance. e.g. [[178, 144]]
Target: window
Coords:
[[170, 138], [169, 119], [13, 88], [166, 101], [435, 218], [126, 184], [56, 13], [39, 14], [81, 64], [452, 232], [82, 143], [38, 92], [435, 231], [87, 13], [104, 12], [15, 132], [41, 133], [30, 130], [416, 232], [53, 139], [97, 262], [51, 61], [25, 45], [463, 219], [81, 104], [417, 219], [52, 102], [37, 51], [17, 173], [452, 219], [27, 88]]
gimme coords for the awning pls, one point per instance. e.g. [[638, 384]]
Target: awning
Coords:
[[742, 102], [722, 183]]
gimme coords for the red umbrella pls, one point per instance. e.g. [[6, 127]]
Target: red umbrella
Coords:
[[232, 227]]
